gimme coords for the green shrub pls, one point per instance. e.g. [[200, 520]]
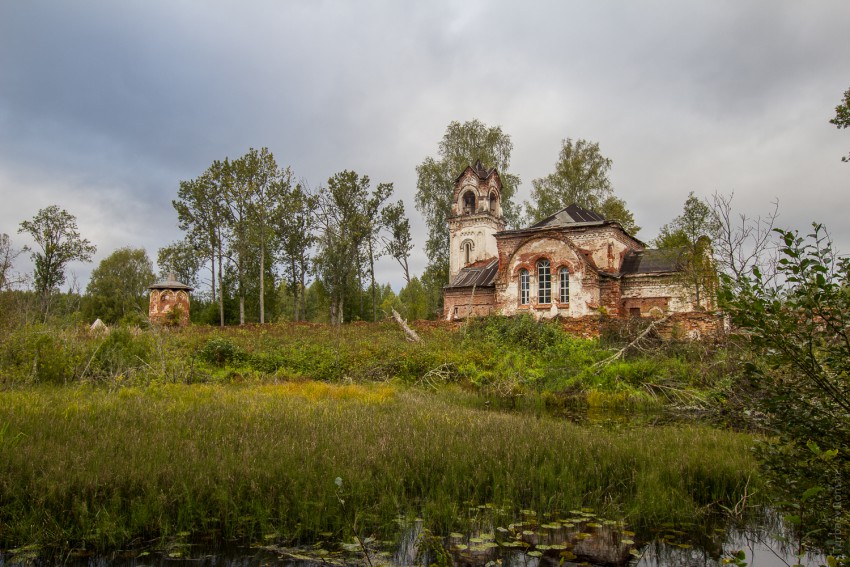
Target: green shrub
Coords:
[[121, 352], [220, 351], [518, 331]]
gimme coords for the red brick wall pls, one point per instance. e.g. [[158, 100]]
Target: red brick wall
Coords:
[[458, 303], [164, 301], [681, 326]]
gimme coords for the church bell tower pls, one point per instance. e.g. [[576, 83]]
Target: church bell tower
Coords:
[[476, 217]]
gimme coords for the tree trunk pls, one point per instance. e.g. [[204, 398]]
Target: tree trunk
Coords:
[[241, 306], [372, 275], [220, 288], [262, 274], [295, 291], [212, 270], [360, 291]]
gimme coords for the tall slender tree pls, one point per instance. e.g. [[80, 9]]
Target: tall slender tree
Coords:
[[399, 243], [8, 255], [297, 237], [344, 231], [688, 240], [580, 177], [374, 223], [201, 212], [264, 187], [55, 232]]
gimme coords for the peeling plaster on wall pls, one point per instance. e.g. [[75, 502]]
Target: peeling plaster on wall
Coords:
[[655, 286], [479, 224], [163, 301], [592, 251]]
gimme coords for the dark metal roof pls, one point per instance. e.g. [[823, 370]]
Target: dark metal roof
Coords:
[[651, 261], [171, 283], [479, 274], [570, 215]]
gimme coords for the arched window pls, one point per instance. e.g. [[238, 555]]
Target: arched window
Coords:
[[544, 282], [468, 203], [523, 287], [466, 248], [494, 204], [564, 285]]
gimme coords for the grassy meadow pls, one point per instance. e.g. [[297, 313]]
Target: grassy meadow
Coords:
[[134, 435]]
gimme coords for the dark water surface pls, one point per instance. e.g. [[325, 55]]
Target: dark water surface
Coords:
[[605, 546]]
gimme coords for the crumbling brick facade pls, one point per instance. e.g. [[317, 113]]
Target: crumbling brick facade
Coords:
[[574, 264], [169, 303]]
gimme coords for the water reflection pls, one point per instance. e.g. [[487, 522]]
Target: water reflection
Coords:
[[415, 549]]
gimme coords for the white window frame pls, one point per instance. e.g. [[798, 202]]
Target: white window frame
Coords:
[[564, 285], [524, 286], [544, 281]]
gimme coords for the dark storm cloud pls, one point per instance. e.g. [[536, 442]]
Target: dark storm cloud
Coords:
[[105, 106]]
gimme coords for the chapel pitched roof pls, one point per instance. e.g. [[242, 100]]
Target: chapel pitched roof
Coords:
[[570, 215], [479, 274]]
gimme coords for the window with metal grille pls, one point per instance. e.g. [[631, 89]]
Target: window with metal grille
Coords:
[[544, 282], [564, 287], [523, 287]]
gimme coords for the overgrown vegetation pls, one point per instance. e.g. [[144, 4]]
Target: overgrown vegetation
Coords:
[[532, 358], [108, 436], [798, 331], [87, 465]]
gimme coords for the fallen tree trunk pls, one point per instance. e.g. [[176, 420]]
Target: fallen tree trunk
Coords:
[[639, 338], [411, 334]]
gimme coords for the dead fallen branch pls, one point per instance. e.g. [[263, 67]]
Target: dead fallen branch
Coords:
[[411, 334], [634, 343]]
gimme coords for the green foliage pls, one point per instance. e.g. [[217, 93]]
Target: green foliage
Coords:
[[842, 116], [119, 285], [122, 353], [201, 214], [349, 218], [688, 240], [55, 232], [220, 351], [414, 301], [520, 332], [181, 259], [297, 237], [798, 329], [581, 178]]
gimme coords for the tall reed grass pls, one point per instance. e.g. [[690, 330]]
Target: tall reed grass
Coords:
[[97, 466]]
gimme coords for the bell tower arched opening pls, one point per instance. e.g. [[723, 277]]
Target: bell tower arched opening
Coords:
[[468, 203]]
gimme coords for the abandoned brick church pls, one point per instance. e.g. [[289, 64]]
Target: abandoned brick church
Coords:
[[572, 264]]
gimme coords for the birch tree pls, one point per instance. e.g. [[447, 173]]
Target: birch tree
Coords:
[[55, 232]]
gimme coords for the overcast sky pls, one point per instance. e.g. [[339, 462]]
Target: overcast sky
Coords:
[[106, 106]]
